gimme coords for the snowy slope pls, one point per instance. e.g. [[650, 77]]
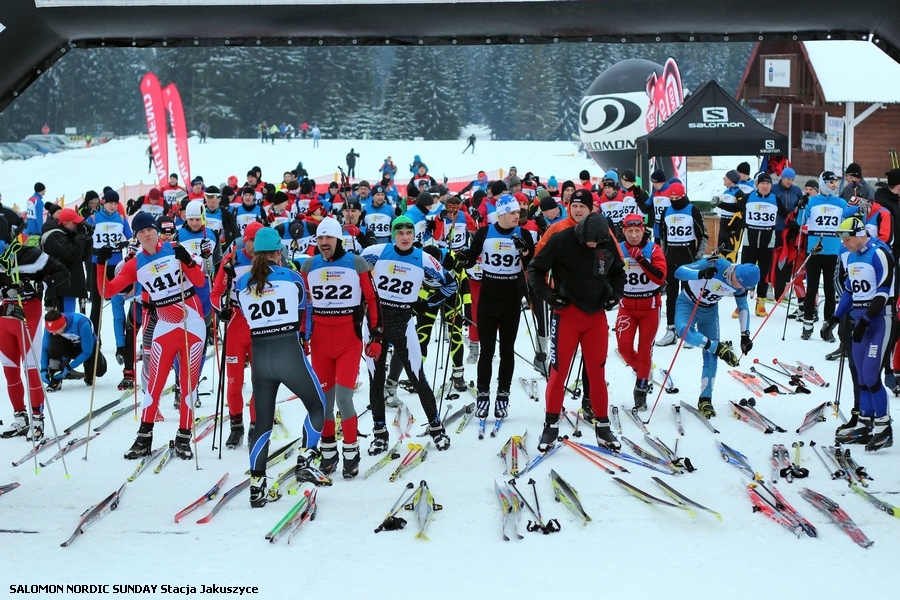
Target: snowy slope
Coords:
[[630, 547]]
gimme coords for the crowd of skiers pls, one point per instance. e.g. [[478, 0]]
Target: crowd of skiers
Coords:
[[299, 284]]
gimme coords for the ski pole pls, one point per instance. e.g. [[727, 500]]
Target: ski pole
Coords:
[[220, 395], [681, 339], [842, 333], [815, 250], [187, 367]]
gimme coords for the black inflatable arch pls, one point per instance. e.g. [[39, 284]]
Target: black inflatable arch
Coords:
[[34, 34]]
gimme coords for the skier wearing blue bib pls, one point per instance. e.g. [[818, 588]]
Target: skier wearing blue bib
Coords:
[[705, 283]]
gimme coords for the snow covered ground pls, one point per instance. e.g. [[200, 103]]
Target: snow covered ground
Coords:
[[630, 547]]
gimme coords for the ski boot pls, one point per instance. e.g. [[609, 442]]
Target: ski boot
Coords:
[[474, 349], [329, 462], [54, 386], [705, 406], [260, 495], [669, 338], [725, 351], [458, 380], [827, 331], [120, 355], [548, 436], [380, 439], [640, 395], [306, 472], [882, 434], [37, 428], [501, 404], [587, 410], [350, 468], [438, 435], [250, 431], [807, 331], [859, 432], [19, 425], [390, 394], [236, 435], [183, 444], [142, 444], [761, 307], [605, 436], [836, 355], [127, 382], [482, 404], [798, 312]]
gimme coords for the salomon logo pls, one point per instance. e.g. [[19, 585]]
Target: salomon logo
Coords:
[[607, 114], [715, 114]]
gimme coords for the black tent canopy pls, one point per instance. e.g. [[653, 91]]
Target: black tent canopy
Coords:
[[711, 123]]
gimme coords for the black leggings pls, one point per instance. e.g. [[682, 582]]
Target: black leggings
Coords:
[[96, 300], [401, 334], [495, 319], [280, 360], [819, 266], [763, 258]]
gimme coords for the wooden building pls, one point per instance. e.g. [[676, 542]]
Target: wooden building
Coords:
[[837, 101]]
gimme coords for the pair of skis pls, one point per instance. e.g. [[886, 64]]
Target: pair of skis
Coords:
[[416, 455], [509, 505], [424, 506], [531, 388], [753, 383], [403, 430], [566, 494], [783, 466], [509, 454], [679, 500], [38, 446], [482, 426], [770, 502], [392, 454], [837, 515], [802, 370], [745, 410], [297, 516], [95, 513], [793, 379], [71, 445]]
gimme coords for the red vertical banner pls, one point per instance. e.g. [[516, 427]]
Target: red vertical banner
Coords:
[[179, 130], [155, 110]]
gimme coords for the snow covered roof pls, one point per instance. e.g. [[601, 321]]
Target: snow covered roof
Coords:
[[854, 71]]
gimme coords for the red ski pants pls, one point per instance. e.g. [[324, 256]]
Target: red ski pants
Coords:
[[569, 328], [642, 324], [12, 352]]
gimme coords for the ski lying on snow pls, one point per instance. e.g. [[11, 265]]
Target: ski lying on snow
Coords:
[[113, 416], [8, 487], [565, 493], [699, 415], [92, 414], [76, 443], [146, 461], [229, 495], [43, 443], [391, 454], [95, 513], [651, 499], [210, 495], [837, 514], [679, 497]]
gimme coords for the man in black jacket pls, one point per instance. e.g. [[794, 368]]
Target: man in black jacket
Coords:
[[67, 241], [588, 276]]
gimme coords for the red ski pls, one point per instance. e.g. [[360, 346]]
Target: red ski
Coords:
[[210, 495]]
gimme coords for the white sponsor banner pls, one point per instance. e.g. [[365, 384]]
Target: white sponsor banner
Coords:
[[834, 144], [777, 73]]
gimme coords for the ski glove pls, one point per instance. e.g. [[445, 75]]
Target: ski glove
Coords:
[[45, 376], [133, 248], [182, 254], [635, 252], [709, 272], [373, 348], [304, 344], [206, 248], [556, 301], [860, 330], [103, 254], [61, 374], [746, 342], [519, 243], [352, 230], [225, 313], [14, 311], [715, 200]]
